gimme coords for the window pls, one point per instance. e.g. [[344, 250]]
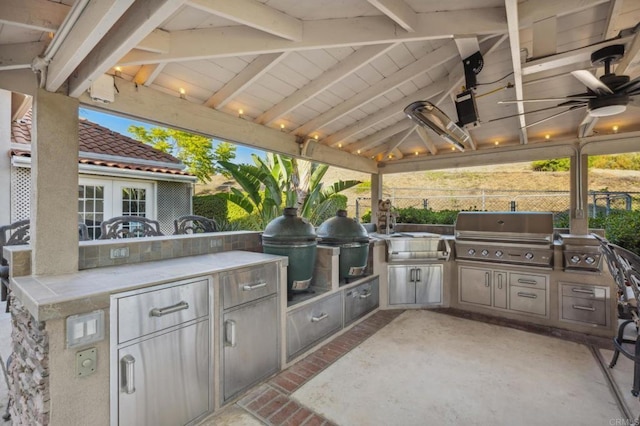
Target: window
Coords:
[[91, 208]]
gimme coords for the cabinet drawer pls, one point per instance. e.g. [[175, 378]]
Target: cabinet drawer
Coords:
[[360, 300], [145, 312], [527, 299], [584, 291], [584, 310], [312, 323], [537, 281], [244, 285]]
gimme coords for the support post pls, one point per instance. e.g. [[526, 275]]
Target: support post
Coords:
[[579, 224], [5, 158], [376, 194]]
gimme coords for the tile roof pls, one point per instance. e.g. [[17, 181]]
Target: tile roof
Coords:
[[96, 139]]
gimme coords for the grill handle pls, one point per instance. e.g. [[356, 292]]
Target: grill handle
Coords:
[[528, 295], [127, 363]]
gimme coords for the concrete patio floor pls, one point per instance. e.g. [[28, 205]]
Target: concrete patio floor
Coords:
[[427, 367]]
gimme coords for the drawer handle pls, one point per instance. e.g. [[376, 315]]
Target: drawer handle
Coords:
[[579, 290], [523, 281], [230, 333], [320, 318], [249, 287], [127, 363], [158, 312], [365, 294], [528, 295], [584, 308]]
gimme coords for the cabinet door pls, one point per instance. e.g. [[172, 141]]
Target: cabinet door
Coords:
[[428, 281], [475, 286], [250, 348], [164, 380], [402, 286], [500, 289]]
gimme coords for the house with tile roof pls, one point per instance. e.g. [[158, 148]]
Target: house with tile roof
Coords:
[[117, 175]]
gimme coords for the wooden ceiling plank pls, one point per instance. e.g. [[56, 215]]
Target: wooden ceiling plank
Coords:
[[397, 140], [511, 7], [253, 14], [321, 34], [252, 72], [535, 10], [40, 15], [156, 42], [19, 55], [148, 73], [94, 22], [399, 11], [611, 28], [374, 139], [138, 21], [426, 139], [342, 69]]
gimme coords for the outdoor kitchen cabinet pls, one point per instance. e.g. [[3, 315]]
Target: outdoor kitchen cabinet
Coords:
[[483, 287], [250, 327], [161, 368], [585, 304], [415, 284], [360, 300]]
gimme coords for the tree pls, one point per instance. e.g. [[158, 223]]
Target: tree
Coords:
[[279, 181], [195, 151]]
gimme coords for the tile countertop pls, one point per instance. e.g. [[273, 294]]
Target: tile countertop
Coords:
[[52, 297]]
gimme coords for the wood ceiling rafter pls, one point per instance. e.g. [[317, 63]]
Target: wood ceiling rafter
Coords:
[[375, 139], [398, 11], [148, 73], [39, 15], [426, 140], [511, 7]]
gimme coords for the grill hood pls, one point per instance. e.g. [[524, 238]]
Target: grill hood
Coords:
[[428, 115]]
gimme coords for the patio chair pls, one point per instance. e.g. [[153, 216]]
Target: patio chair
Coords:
[[129, 227], [193, 224]]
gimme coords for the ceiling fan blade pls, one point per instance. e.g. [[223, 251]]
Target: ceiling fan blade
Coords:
[[566, 99], [592, 82], [630, 86], [553, 116]]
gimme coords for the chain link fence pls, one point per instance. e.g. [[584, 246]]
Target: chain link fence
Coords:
[[489, 200]]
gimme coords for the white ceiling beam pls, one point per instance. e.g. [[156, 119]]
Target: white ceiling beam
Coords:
[[511, 7], [531, 11], [321, 34], [252, 72], [253, 14], [629, 61], [151, 105], [20, 105], [94, 22], [426, 139], [431, 60], [148, 73], [585, 129], [139, 20], [39, 15], [611, 28], [157, 42], [396, 154], [396, 140], [342, 69], [399, 11], [384, 134], [19, 55]]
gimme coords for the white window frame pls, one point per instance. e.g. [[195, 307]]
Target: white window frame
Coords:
[[113, 194]]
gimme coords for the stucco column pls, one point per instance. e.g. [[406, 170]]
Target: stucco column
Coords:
[[54, 184], [376, 194], [579, 189], [5, 159]]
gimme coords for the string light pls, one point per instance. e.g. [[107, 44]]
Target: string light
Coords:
[[240, 112], [358, 151], [339, 145], [416, 153], [547, 136], [118, 71], [282, 127], [183, 93], [496, 143], [316, 137], [615, 128]]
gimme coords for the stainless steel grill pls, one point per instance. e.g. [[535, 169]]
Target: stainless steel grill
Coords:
[[581, 252], [508, 237]]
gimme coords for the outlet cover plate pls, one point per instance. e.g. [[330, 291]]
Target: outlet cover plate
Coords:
[[86, 362]]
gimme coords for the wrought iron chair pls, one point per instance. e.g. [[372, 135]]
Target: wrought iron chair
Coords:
[[194, 224], [129, 227]]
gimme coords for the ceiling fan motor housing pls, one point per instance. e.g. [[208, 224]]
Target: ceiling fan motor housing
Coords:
[[608, 105]]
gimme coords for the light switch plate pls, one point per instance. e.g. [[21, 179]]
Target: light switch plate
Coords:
[[86, 362], [85, 329]]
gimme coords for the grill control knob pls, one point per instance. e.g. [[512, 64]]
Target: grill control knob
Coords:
[[575, 259], [471, 251], [589, 260], [485, 252], [499, 253], [528, 255]]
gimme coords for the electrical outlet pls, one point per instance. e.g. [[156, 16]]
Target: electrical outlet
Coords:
[[216, 242], [119, 253], [86, 362]]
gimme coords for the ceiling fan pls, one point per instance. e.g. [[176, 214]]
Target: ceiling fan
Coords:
[[606, 96]]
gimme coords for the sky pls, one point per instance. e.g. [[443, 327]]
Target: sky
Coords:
[[120, 125]]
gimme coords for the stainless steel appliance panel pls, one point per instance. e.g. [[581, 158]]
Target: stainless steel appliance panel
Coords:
[[528, 299], [155, 310], [584, 310], [360, 300], [164, 380], [417, 249], [517, 226], [475, 286], [311, 323], [250, 344], [244, 285], [585, 291], [428, 284], [402, 286]]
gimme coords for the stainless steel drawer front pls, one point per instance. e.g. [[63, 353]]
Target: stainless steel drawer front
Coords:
[[584, 310], [244, 285], [155, 310], [360, 300], [538, 281], [311, 323], [526, 299], [587, 292]]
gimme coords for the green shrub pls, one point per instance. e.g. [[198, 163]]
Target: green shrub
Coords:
[[366, 218], [328, 209], [621, 227], [427, 216], [554, 165], [211, 207]]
